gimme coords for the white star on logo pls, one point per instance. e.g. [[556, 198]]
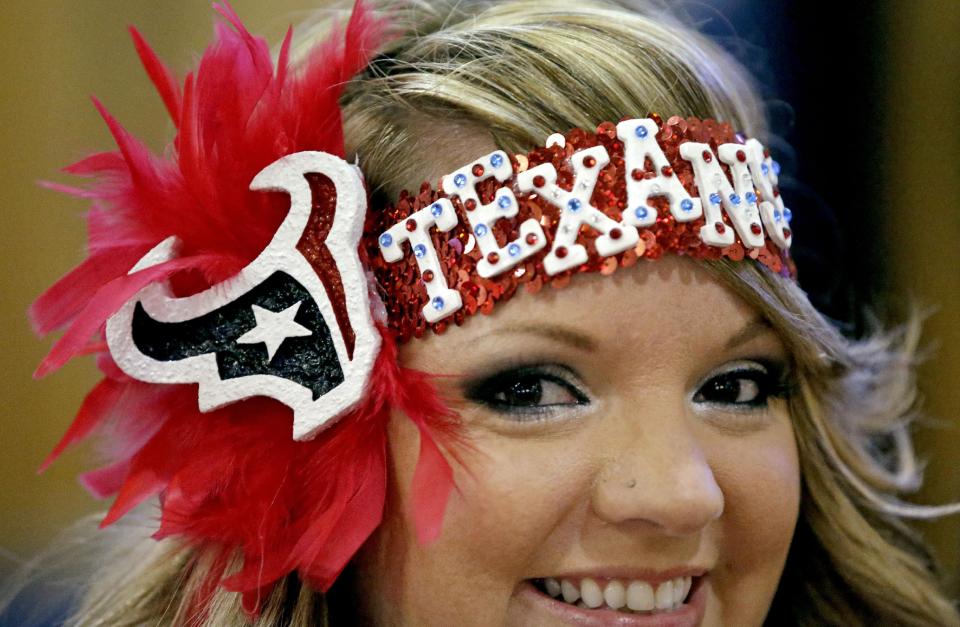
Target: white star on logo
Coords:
[[273, 327]]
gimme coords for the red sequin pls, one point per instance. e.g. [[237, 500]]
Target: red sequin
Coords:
[[636, 174], [404, 296]]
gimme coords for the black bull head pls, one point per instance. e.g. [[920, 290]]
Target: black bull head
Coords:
[[271, 330]]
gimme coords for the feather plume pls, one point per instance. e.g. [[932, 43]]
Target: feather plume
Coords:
[[232, 480]]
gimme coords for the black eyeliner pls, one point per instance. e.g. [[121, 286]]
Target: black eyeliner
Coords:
[[481, 390]]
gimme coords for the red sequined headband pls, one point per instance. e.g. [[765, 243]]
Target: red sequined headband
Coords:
[[587, 202]]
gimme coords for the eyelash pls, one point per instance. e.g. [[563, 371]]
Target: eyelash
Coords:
[[769, 380], [487, 390], [495, 391]]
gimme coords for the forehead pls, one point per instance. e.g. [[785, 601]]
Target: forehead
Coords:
[[669, 304]]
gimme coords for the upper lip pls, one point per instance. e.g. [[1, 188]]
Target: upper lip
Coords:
[[649, 575]]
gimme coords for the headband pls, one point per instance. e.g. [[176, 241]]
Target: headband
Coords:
[[587, 202], [246, 307]]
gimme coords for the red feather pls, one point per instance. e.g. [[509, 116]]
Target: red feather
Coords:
[[233, 479]]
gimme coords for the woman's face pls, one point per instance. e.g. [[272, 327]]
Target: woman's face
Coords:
[[631, 449]]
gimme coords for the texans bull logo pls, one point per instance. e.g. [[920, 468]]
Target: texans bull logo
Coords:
[[273, 329]]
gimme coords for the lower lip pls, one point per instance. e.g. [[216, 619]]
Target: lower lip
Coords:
[[690, 614]]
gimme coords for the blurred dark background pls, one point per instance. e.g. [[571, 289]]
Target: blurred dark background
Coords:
[[863, 99]]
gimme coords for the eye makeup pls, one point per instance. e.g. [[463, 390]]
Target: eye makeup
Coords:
[[528, 392]]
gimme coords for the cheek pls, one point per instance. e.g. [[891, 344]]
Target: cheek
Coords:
[[760, 479], [511, 497]]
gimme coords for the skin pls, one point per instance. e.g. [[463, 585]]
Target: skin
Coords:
[[647, 474]]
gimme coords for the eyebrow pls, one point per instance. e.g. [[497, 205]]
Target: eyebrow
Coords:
[[557, 333], [757, 326]]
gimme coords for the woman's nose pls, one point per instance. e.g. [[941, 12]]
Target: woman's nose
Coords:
[[666, 484]]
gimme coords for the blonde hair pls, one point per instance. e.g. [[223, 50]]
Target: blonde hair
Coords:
[[515, 72]]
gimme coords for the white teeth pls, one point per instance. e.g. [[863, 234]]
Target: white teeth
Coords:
[[640, 596], [591, 593], [571, 592], [665, 595], [678, 591], [552, 586], [636, 596], [615, 595]]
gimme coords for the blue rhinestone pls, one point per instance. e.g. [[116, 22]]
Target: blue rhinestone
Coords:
[[686, 204], [573, 204], [513, 249], [776, 168], [751, 197], [419, 250], [436, 209], [496, 160], [735, 199], [641, 131], [640, 212], [715, 198], [437, 303], [765, 169], [480, 230], [460, 180], [386, 239], [787, 214], [504, 202], [776, 215]]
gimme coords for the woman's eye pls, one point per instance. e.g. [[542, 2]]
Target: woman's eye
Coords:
[[743, 388], [528, 390]]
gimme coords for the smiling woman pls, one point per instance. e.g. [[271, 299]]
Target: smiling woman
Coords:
[[617, 465], [658, 429]]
